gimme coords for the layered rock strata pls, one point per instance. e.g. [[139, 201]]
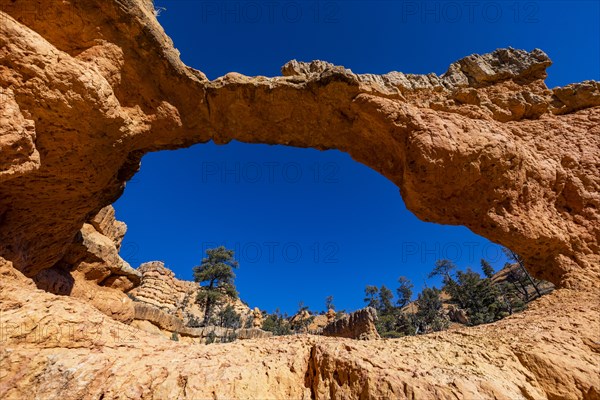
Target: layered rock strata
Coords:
[[357, 325]]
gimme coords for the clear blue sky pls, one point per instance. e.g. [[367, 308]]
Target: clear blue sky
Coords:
[[308, 224]]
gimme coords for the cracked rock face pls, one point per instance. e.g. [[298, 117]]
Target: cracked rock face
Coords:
[[486, 145], [357, 325]]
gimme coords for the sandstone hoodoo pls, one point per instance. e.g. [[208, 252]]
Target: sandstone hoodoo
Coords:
[[78, 111], [358, 325], [165, 305], [257, 318]]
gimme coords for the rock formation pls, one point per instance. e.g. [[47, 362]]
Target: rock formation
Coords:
[[457, 314], [317, 324], [92, 269], [160, 289], [159, 323], [252, 333], [87, 88], [331, 315], [257, 318], [164, 304], [358, 325], [59, 347], [477, 146]]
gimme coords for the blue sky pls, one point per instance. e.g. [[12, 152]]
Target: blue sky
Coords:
[[307, 224]]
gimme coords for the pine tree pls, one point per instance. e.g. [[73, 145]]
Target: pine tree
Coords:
[[371, 296], [228, 318], [406, 324], [302, 307], [385, 300], [216, 270], [444, 269], [514, 303], [277, 324], [386, 325], [517, 277], [478, 297], [511, 255], [487, 269], [464, 292], [430, 315], [329, 303], [404, 291]]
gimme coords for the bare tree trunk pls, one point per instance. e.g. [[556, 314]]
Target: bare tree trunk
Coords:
[[524, 290], [207, 312], [518, 259], [207, 308]]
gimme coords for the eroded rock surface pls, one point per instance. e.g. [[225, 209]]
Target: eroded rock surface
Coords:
[[357, 325], [165, 305], [160, 289], [257, 318], [486, 145], [92, 269], [59, 347]]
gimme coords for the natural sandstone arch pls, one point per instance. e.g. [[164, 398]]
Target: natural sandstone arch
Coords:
[[487, 145], [86, 88]]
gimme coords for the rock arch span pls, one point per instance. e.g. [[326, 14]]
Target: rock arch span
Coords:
[[89, 87], [486, 145]]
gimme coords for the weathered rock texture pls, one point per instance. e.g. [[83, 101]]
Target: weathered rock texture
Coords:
[[154, 321], [59, 347], [95, 255], [174, 297], [331, 315], [357, 325], [165, 305], [87, 88], [318, 323], [257, 318], [252, 333], [92, 269], [485, 145]]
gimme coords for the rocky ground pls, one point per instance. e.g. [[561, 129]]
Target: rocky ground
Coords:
[[59, 347], [87, 88]]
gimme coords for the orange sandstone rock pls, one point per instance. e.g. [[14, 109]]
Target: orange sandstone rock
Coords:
[[92, 86]]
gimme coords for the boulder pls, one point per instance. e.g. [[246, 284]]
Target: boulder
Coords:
[[456, 314], [357, 325]]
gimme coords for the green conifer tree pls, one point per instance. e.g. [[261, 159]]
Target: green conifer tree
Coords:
[[216, 272]]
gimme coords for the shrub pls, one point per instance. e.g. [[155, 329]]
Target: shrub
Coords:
[[211, 337]]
